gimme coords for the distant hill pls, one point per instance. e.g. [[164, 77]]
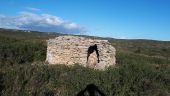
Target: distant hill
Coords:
[[140, 46], [25, 34]]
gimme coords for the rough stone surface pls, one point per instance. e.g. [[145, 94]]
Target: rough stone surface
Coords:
[[70, 50]]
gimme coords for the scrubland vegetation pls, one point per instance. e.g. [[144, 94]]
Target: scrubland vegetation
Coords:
[[143, 68]]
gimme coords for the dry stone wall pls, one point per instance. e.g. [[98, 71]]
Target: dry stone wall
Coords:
[[70, 50]]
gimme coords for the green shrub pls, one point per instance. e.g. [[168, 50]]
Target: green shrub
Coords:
[[20, 52], [142, 69]]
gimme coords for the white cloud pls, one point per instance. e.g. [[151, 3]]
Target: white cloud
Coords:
[[33, 9], [2, 15], [40, 22], [122, 37]]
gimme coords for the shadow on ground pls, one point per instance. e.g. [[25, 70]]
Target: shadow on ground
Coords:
[[91, 90]]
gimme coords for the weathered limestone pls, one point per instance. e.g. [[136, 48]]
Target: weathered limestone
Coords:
[[70, 50]]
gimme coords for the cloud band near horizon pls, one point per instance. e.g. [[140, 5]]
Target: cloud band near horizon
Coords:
[[40, 22]]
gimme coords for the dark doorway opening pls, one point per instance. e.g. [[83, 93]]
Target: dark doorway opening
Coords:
[[91, 49]]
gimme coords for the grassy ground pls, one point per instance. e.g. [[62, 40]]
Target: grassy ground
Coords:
[[143, 69]]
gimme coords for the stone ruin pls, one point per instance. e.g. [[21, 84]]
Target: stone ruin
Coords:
[[70, 50]]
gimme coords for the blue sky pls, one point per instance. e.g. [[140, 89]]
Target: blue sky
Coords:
[[129, 19]]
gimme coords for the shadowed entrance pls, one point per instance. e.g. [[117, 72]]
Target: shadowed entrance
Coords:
[[91, 49]]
